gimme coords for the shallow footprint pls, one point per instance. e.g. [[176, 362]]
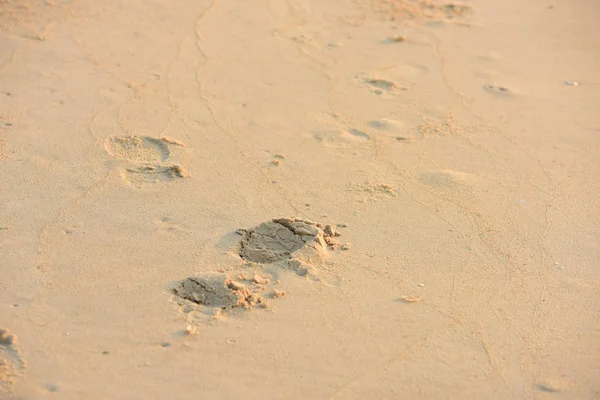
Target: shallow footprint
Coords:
[[342, 138], [450, 181], [381, 86], [392, 128], [139, 148], [154, 173], [498, 90], [374, 191]]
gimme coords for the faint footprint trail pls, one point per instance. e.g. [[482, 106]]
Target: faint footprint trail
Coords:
[[480, 252], [220, 291], [505, 93]]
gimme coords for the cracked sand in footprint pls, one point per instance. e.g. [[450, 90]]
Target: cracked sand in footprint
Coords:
[[220, 291], [291, 243]]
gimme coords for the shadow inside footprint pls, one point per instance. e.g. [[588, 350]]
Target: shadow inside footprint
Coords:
[[155, 173], [498, 90]]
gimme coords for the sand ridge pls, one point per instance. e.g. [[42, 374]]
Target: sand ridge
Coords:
[[220, 291]]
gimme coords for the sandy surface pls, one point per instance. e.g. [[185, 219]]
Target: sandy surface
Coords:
[[442, 162]]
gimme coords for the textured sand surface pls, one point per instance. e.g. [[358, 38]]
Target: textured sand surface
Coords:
[[153, 153]]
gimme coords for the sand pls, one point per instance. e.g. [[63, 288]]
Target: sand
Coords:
[[155, 156]]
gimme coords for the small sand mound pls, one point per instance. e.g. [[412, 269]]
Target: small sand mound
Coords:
[[286, 238], [12, 364], [219, 291]]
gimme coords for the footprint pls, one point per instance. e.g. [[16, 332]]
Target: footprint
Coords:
[[154, 173], [375, 191], [383, 84], [290, 243], [392, 128], [289, 240], [498, 90], [149, 155], [446, 179], [384, 124], [12, 365], [360, 135], [207, 296], [142, 149], [384, 87], [219, 291], [342, 138]]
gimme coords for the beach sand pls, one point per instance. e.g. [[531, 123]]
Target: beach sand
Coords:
[[350, 199]]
